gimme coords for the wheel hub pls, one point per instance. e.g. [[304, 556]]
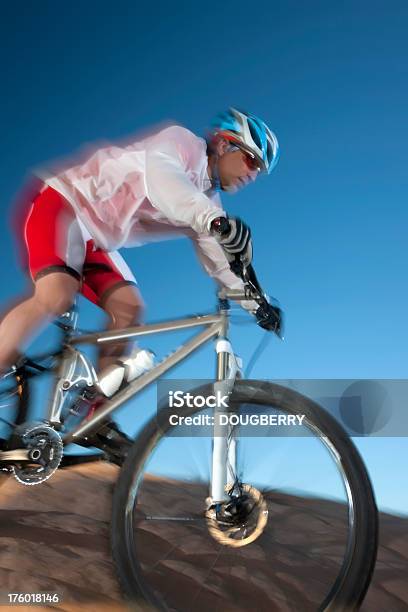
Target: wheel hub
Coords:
[[240, 520]]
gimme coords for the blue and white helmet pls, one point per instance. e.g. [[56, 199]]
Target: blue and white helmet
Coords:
[[249, 133]]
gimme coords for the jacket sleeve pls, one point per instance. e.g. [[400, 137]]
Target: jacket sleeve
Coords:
[[170, 161], [215, 263]]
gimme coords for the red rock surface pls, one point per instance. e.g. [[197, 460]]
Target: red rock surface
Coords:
[[55, 537]]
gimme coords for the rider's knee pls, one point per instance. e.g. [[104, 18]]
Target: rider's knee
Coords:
[[124, 306], [55, 294], [54, 305]]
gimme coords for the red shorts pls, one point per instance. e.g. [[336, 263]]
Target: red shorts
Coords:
[[54, 242]]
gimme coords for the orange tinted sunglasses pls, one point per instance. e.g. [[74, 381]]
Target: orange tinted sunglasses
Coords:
[[250, 161]]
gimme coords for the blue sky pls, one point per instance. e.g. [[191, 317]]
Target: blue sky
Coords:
[[328, 225]]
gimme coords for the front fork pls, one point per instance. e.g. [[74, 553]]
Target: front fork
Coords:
[[224, 441]]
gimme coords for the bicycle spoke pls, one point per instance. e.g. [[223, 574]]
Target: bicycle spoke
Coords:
[[219, 552], [180, 519], [13, 403]]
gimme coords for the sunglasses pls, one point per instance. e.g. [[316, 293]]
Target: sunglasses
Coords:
[[250, 161]]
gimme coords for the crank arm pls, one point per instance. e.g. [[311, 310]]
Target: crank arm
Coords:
[[18, 454]]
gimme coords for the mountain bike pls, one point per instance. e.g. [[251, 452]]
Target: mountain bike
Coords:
[[223, 516]]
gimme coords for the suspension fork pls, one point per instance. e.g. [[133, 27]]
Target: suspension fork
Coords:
[[224, 441]]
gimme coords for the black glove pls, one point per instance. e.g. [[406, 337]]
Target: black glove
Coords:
[[270, 318], [235, 238]]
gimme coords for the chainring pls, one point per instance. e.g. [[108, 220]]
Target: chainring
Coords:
[[46, 449]]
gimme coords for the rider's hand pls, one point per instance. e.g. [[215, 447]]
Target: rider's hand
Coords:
[[270, 318], [235, 238]]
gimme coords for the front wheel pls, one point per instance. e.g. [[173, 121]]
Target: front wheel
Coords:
[[297, 532]]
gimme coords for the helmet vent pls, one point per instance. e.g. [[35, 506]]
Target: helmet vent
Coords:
[[269, 152], [254, 134]]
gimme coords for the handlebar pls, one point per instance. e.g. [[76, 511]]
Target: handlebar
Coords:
[[269, 317]]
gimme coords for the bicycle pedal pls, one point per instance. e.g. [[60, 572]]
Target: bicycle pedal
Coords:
[[116, 456], [111, 432]]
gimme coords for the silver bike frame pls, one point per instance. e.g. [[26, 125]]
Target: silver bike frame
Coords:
[[216, 326]]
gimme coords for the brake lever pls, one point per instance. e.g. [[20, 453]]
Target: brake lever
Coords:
[[251, 282], [249, 278]]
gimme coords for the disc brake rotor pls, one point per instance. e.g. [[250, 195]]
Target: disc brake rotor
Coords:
[[45, 451], [240, 520]]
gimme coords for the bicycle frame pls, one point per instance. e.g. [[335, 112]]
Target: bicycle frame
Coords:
[[216, 326]]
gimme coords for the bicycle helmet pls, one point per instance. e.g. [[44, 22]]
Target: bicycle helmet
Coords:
[[250, 134]]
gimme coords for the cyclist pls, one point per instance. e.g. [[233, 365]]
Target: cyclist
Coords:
[[163, 185]]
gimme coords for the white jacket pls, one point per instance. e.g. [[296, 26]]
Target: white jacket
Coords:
[[153, 189]]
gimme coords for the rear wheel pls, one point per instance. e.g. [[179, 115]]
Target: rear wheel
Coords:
[[298, 531], [14, 405]]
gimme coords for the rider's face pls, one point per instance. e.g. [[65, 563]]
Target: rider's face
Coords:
[[236, 169]]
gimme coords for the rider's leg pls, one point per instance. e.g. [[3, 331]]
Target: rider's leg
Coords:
[[53, 250], [109, 283], [124, 306], [53, 294]]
